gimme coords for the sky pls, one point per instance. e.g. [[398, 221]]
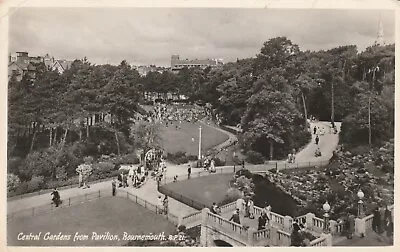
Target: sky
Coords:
[[145, 36]]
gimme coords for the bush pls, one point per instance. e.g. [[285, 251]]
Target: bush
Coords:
[[127, 159], [102, 170], [12, 182], [36, 183], [13, 165], [254, 157], [219, 162], [88, 160], [180, 157], [244, 172]]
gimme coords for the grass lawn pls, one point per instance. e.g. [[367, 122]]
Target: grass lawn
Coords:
[[174, 140], [111, 214], [205, 190]]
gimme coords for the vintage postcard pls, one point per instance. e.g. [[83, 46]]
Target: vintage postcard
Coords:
[[191, 125]]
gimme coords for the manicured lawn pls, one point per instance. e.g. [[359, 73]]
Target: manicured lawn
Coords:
[[111, 214], [174, 140], [205, 190]]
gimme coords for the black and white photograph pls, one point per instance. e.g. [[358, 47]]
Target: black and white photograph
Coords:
[[219, 126]]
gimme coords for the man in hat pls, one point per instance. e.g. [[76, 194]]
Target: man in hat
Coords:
[[235, 217]]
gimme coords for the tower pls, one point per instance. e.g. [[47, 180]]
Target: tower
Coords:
[[380, 40]]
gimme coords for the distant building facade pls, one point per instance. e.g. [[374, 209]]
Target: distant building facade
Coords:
[[177, 63], [20, 63]]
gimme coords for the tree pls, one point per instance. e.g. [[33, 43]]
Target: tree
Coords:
[[270, 118], [146, 136]]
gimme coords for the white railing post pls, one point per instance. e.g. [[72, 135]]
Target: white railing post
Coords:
[[360, 227], [309, 220], [332, 225], [328, 240], [287, 223], [250, 234]]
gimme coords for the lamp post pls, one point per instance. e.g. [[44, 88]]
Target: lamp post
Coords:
[[360, 196], [326, 207], [199, 157]]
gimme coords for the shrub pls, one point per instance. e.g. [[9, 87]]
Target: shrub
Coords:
[[231, 195], [179, 157], [59, 183], [127, 159], [13, 165], [13, 182], [254, 157], [219, 162], [88, 160], [36, 183], [244, 172]]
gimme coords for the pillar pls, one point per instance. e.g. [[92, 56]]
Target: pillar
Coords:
[[332, 226], [273, 232], [287, 223], [328, 239], [309, 220], [204, 228], [360, 228], [250, 238]]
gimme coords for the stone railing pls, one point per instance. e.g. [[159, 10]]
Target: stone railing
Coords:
[[262, 234], [317, 225], [230, 207], [319, 242], [364, 226], [283, 238], [229, 227], [191, 220]]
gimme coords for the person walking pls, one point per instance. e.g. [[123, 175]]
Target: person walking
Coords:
[[251, 208], [214, 208], [235, 217], [56, 197], [165, 204], [382, 222], [160, 204], [262, 220], [315, 130], [189, 171], [317, 140], [113, 186], [351, 226], [376, 220]]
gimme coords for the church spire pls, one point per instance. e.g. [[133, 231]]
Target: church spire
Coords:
[[380, 40]]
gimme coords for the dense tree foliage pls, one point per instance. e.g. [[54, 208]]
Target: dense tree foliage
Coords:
[[270, 96]]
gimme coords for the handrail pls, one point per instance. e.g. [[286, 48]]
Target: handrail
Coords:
[[319, 242], [219, 221], [66, 202], [150, 206], [262, 234]]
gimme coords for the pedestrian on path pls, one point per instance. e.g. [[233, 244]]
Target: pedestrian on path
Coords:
[[160, 204], [189, 171], [317, 140], [114, 186], [235, 217], [165, 205], [262, 220], [376, 220], [315, 130], [56, 197]]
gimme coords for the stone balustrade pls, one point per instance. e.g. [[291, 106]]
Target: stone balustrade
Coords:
[[319, 242], [231, 227], [283, 239]]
